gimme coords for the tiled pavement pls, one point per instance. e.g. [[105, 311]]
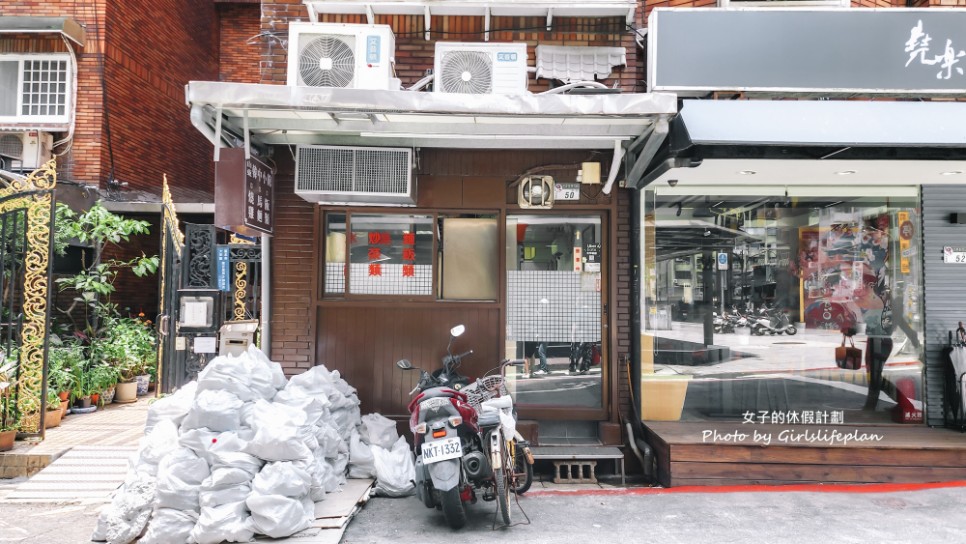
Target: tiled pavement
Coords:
[[116, 427]]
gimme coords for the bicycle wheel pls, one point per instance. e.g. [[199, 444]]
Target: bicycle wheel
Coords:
[[522, 471], [503, 478]]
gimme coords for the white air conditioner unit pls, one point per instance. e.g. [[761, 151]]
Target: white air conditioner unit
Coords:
[[364, 176], [480, 68], [27, 150], [341, 55]]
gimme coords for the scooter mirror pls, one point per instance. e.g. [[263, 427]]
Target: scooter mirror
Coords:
[[457, 331], [404, 364]]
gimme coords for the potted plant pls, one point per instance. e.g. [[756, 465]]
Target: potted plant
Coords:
[[9, 415], [103, 381], [62, 357], [127, 344], [82, 389], [54, 411]]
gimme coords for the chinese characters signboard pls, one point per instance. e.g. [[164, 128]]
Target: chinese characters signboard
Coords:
[[244, 194], [796, 50]]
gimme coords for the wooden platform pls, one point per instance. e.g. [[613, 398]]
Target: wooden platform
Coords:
[[715, 453]]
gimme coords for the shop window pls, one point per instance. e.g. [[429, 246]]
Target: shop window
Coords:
[[393, 255], [749, 295], [468, 258]]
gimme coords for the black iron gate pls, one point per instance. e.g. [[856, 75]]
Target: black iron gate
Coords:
[[191, 278]]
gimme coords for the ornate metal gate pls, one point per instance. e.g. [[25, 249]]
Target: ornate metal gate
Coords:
[[26, 227], [189, 267], [171, 361]]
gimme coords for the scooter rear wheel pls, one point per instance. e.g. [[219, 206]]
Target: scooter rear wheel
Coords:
[[523, 471], [453, 509]]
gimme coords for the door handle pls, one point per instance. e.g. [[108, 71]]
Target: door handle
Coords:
[[163, 322]]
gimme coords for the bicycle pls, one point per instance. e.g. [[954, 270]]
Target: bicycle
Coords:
[[510, 454]]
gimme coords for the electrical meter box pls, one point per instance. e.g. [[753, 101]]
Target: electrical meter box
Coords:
[[236, 336]]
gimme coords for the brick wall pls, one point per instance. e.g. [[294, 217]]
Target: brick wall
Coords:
[[240, 46], [414, 54], [293, 253], [154, 48]]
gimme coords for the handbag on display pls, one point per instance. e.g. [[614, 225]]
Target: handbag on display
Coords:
[[848, 357]]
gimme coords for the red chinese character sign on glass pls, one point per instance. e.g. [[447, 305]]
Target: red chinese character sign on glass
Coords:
[[373, 238], [409, 271], [409, 239], [375, 269], [375, 253], [409, 254]]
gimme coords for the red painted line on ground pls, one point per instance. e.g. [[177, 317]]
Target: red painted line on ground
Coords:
[[799, 488]]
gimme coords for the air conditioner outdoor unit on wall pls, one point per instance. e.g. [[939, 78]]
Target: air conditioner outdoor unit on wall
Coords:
[[364, 176], [480, 68], [26, 150], [341, 55]]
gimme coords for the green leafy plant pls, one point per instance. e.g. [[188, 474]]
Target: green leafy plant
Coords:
[[9, 414], [103, 377], [53, 401], [62, 357], [94, 284], [127, 344]]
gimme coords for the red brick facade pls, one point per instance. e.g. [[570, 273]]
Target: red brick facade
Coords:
[[143, 53]]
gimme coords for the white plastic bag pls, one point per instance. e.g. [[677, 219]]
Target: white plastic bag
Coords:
[[378, 430], [173, 407], [228, 522], [214, 410], [278, 516], [395, 470], [282, 478], [169, 526], [230, 375], [361, 462], [162, 440]]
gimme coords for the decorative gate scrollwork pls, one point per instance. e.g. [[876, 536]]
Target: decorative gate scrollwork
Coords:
[[26, 228]]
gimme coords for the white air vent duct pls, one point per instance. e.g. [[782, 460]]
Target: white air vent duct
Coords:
[[373, 176], [480, 68]]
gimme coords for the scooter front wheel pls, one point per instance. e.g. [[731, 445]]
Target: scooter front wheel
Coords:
[[453, 509], [791, 330]]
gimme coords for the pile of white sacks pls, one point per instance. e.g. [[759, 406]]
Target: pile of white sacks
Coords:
[[244, 451]]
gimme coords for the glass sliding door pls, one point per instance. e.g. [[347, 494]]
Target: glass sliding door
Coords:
[[555, 280]]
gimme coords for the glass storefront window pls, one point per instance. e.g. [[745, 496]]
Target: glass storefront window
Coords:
[[745, 297], [391, 255]]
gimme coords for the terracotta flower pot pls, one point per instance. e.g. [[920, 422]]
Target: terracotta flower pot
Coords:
[[95, 397], [52, 418], [6, 440], [64, 406], [63, 396], [126, 392]]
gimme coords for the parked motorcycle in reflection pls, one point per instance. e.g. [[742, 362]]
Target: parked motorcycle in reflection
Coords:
[[771, 321], [460, 445]]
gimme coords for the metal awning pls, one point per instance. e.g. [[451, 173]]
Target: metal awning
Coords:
[[240, 115], [812, 142], [65, 26], [482, 8]]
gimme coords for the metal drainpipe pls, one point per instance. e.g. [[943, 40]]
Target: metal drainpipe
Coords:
[[636, 294], [266, 339], [639, 446]]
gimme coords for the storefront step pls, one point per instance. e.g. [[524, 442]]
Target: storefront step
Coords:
[[715, 453]]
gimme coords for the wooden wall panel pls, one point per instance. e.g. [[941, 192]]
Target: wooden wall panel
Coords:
[[363, 341]]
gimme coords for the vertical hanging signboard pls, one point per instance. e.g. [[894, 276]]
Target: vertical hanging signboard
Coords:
[[244, 194]]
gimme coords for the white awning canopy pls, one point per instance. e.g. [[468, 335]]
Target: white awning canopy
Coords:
[[481, 8], [277, 114], [813, 142], [65, 26]]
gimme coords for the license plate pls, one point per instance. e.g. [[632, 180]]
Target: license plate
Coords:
[[441, 450]]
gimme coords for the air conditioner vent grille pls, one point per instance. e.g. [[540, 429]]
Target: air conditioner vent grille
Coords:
[[362, 175], [11, 145]]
